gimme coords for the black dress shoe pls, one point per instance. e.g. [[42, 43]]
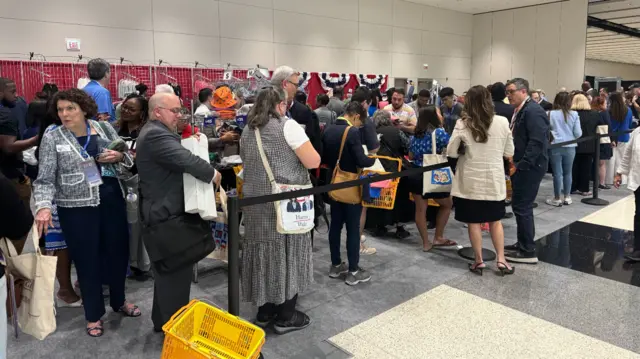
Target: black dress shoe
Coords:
[[508, 215], [521, 257], [512, 247]]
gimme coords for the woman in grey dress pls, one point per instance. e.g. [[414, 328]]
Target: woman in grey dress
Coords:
[[275, 267]]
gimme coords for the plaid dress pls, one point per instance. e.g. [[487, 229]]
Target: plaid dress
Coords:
[[275, 267]]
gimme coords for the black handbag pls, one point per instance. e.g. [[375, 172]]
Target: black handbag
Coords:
[[178, 242]]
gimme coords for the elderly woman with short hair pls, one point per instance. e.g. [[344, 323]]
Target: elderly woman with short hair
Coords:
[[393, 143]]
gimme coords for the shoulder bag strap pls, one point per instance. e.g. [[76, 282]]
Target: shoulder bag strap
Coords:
[[263, 156], [344, 139], [434, 148]]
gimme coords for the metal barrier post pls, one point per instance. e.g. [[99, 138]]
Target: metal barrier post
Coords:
[[595, 201], [234, 256]]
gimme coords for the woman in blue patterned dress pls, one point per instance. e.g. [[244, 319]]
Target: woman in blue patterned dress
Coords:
[[428, 122]]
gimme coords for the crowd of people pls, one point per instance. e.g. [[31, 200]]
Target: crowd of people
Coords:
[[107, 192]]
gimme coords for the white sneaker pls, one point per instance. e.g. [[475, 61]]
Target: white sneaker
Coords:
[[554, 202], [567, 201]]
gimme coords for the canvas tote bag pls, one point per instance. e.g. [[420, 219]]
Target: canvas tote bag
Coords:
[[36, 314], [603, 130], [440, 180], [293, 216], [351, 195]]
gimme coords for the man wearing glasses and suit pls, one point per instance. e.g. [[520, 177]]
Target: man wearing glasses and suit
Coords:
[[175, 240]]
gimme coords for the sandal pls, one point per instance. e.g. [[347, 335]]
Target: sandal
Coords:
[[505, 269], [446, 243], [98, 328], [477, 268], [130, 310]]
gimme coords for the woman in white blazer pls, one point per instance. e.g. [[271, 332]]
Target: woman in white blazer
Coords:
[[481, 140]]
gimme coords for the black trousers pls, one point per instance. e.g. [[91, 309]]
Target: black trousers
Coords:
[[636, 223], [98, 240], [582, 172], [171, 291]]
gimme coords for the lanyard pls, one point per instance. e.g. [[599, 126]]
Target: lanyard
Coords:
[[344, 119], [84, 148]]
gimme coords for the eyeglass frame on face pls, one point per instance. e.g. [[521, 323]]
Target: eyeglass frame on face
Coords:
[[175, 110], [511, 92]]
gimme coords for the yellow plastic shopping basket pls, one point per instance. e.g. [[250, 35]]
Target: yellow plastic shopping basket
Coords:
[[202, 331], [387, 197]]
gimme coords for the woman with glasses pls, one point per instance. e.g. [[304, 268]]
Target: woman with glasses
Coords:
[[275, 267], [79, 171]]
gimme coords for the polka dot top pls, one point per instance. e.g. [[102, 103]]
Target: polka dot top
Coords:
[[422, 145]]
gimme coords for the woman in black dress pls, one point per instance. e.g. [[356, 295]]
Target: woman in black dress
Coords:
[[481, 140]]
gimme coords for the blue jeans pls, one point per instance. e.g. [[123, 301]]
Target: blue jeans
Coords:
[[562, 165], [525, 189], [349, 215]]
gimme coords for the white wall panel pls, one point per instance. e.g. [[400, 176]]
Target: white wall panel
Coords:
[[259, 3], [524, 44], [572, 44], [407, 41], [394, 37], [186, 49], [375, 37], [374, 62], [612, 69], [481, 49], [501, 46], [173, 16], [407, 65], [245, 22], [447, 21], [114, 13], [292, 28], [341, 9], [407, 14], [322, 59], [247, 53], [48, 38], [442, 44], [376, 12], [546, 58]]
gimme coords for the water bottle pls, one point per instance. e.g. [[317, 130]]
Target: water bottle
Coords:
[[132, 206]]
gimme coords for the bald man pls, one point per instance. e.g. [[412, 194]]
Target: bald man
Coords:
[[175, 240]]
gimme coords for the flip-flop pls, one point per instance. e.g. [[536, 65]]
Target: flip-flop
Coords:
[[447, 243]]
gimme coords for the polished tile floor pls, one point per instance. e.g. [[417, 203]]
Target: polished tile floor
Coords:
[[577, 314]]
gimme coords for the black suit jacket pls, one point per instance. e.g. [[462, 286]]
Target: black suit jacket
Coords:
[[531, 138], [504, 109], [546, 105], [304, 116], [161, 162]]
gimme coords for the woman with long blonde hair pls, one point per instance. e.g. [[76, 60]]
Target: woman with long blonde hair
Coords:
[[481, 140], [583, 162]]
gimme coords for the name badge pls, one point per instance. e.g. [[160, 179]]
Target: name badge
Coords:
[[63, 148], [91, 172]]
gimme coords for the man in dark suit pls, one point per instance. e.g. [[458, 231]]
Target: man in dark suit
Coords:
[[498, 94], [537, 97], [175, 240]]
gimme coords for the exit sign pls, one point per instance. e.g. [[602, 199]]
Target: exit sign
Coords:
[[73, 44]]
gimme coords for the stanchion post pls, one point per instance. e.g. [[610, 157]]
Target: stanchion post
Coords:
[[595, 201], [234, 256]]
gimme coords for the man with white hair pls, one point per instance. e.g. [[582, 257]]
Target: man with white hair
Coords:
[[165, 88], [175, 240], [287, 79]]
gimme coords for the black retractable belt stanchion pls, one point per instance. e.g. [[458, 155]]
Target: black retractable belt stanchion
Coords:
[[595, 201], [234, 256]]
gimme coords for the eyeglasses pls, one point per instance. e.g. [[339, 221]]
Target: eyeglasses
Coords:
[[293, 83], [510, 92], [175, 110]]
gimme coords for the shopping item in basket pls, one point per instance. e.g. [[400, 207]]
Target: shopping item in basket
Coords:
[[199, 196], [200, 330], [220, 228], [350, 195], [295, 215], [383, 193], [36, 314], [440, 180]]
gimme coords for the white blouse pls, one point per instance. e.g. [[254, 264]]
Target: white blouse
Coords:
[[630, 163], [480, 170]]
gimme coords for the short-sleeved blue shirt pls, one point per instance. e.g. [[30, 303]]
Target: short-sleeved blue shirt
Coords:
[[422, 145], [102, 97]]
